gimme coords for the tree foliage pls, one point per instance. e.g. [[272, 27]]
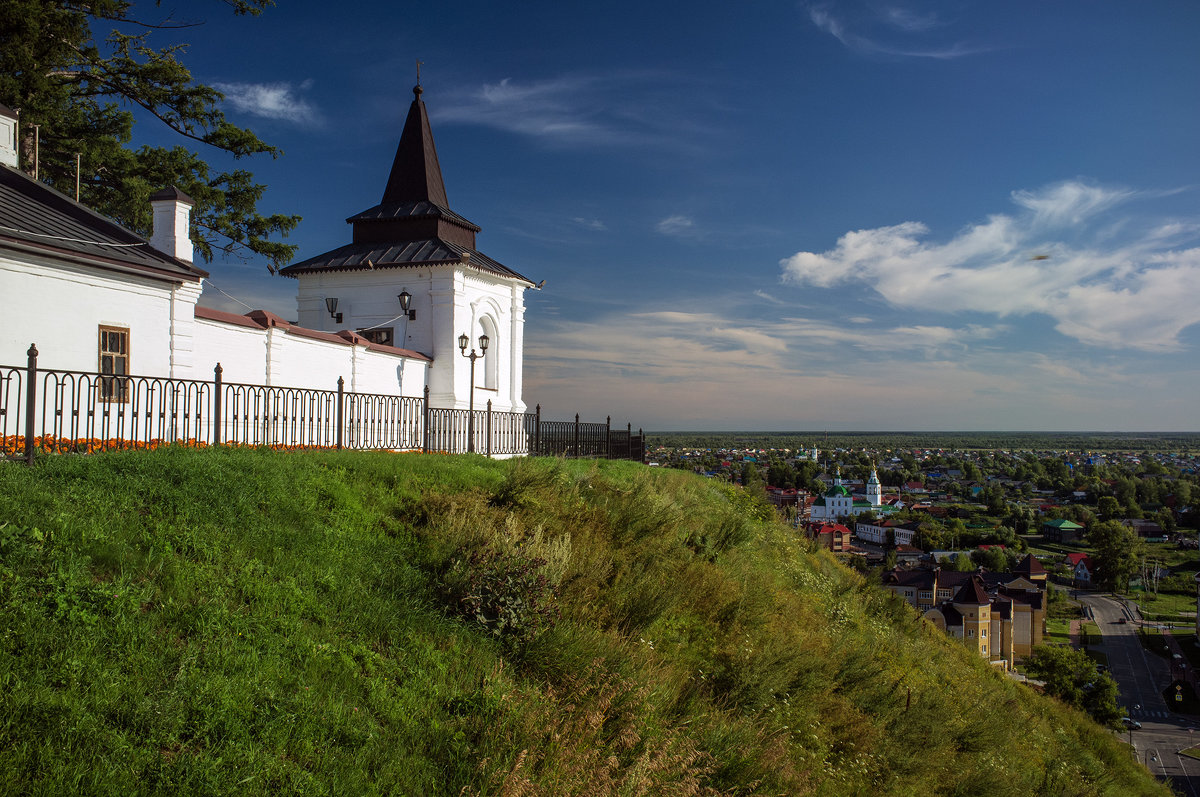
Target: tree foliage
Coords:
[[1117, 553], [1072, 676], [80, 93]]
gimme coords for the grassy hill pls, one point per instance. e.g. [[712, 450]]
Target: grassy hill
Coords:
[[235, 621]]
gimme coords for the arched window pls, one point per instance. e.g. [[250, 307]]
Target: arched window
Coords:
[[489, 380]]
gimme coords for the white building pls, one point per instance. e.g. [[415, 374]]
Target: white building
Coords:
[[839, 502], [412, 243], [96, 297]]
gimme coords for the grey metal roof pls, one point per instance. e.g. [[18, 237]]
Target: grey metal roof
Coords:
[[32, 214], [429, 252], [400, 210]]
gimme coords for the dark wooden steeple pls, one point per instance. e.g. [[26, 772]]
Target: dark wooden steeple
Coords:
[[414, 205], [413, 225]]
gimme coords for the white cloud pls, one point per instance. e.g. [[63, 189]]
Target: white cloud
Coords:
[[677, 225], [1070, 202], [624, 109], [1138, 294], [271, 101], [679, 369], [591, 224], [906, 22]]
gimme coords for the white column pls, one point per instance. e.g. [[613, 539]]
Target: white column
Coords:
[[183, 330], [448, 313], [517, 341], [274, 355]]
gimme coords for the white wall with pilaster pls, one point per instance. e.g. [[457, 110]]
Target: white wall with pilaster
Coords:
[[449, 300], [60, 307]]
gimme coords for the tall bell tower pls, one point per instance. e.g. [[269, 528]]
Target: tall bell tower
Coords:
[[411, 244]]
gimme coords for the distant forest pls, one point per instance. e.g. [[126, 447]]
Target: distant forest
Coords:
[[1035, 441]]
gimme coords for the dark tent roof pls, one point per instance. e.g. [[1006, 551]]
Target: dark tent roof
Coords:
[[972, 594], [413, 225]]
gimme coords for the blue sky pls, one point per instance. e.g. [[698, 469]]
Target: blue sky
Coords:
[[775, 215]]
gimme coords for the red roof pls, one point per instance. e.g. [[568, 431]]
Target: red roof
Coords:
[[261, 319], [1075, 558]]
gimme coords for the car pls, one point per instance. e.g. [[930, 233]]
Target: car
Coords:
[[1131, 724]]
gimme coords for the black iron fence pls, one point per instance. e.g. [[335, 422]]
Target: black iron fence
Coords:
[[76, 411]]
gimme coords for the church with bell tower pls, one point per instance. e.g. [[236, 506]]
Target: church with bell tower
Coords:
[[412, 278]]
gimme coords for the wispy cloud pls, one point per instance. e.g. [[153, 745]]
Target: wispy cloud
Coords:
[[280, 101], [590, 224], [623, 109], [677, 225], [683, 369], [908, 20], [1136, 294], [896, 31]]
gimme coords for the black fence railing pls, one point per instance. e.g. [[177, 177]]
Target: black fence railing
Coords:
[[75, 411]]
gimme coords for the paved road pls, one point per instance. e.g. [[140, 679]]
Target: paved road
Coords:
[[1141, 676]]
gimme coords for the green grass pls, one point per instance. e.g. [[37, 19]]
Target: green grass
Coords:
[[1089, 634], [1167, 606], [1058, 631], [237, 621]]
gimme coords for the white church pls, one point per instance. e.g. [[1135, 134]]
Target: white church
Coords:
[[385, 312], [839, 502]]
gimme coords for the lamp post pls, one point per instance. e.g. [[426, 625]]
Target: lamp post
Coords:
[[463, 342]]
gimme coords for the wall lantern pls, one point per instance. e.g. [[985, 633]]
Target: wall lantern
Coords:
[[405, 300], [331, 306]]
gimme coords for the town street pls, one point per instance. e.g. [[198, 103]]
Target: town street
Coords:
[[1141, 676]]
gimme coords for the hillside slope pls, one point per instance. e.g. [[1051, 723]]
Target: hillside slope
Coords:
[[233, 621]]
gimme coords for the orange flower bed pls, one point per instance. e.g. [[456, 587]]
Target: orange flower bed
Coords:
[[14, 445]]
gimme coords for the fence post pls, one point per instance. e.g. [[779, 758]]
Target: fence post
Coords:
[[608, 437], [577, 435], [30, 400], [425, 422], [341, 398], [641, 444], [537, 431], [216, 405], [489, 428], [629, 432]]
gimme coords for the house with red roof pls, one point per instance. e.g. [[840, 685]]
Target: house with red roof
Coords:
[[1081, 566], [831, 536]]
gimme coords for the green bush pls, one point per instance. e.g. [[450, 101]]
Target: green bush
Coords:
[[504, 593]]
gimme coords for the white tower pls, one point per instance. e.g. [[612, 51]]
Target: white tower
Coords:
[[874, 489], [412, 244]]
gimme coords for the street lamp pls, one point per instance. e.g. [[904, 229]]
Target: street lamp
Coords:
[[463, 342]]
